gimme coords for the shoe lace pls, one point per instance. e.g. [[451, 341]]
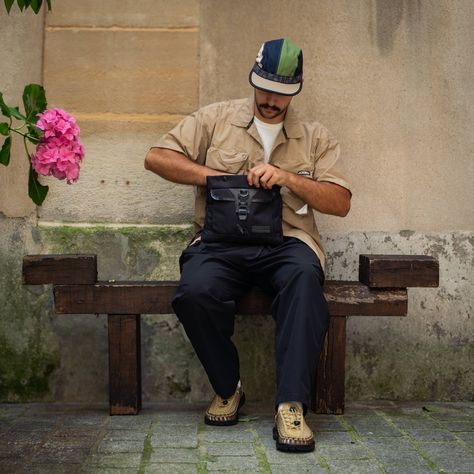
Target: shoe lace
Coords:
[[292, 417]]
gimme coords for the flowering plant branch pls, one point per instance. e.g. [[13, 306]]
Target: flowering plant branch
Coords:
[[54, 133]]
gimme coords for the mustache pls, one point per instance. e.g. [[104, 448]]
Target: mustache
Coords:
[[270, 107]]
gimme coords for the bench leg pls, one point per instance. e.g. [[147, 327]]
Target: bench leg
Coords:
[[328, 395], [125, 391]]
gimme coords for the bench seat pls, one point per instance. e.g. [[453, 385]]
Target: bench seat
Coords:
[[77, 291]]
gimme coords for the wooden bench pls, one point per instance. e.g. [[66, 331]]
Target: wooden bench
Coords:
[[380, 291]]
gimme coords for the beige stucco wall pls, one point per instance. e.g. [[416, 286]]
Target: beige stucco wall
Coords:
[[393, 80], [21, 60], [128, 75]]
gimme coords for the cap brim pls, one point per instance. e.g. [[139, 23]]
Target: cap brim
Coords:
[[273, 86]]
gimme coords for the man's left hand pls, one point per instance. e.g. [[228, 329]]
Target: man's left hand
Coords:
[[266, 175]]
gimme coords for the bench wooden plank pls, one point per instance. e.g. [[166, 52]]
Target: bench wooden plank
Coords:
[[398, 271], [125, 392], [344, 298], [59, 269], [329, 393]]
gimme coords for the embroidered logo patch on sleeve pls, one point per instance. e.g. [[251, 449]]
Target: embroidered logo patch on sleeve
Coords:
[[304, 173]]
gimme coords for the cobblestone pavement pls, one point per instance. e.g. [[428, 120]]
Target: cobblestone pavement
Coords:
[[375, 437]]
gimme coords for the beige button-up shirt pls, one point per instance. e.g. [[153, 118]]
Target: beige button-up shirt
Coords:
[[223, 136]]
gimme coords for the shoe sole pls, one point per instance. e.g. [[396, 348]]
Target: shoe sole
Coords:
[[292, 448], [231, 422]]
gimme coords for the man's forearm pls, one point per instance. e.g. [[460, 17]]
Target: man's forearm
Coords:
[[176, 167], [325, 197]]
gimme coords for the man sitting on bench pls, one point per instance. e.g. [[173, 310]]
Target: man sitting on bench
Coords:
[[262, 138]]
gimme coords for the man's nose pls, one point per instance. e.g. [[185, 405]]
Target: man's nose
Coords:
[[272, 99]]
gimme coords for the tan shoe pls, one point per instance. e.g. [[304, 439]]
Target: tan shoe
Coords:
[[225, 411], [291, 431]]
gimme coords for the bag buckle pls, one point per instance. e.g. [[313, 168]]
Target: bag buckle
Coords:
[[243, 212], [243, 204]]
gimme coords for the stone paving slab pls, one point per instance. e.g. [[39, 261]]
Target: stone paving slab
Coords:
[[116, 460], [233, 463], [230, 449], [54, 468], [296, 469], [121, 446], [355, 467], [372, 437], [170, 469], [174, 456]]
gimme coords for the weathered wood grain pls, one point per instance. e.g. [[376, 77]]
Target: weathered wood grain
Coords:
[[125, 387], [59, 269], [348, 298], [328, 395], [398, 271]]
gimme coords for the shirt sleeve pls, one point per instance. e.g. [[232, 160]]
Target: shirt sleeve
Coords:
[[328, 164], [191, 137]]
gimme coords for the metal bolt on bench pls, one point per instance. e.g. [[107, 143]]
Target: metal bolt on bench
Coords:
[[381, 291]]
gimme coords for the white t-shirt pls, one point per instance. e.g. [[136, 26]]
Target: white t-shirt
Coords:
[[268, 133]]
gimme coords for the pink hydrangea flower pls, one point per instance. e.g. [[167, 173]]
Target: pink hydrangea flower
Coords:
[[59, 152]]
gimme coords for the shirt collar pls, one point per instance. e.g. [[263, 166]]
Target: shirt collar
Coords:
[[243, 117]]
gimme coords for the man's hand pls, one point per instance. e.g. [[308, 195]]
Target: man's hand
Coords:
[[266, 175], [325, 197]]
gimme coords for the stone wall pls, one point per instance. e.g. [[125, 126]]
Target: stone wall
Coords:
[[127, 74], [391, 79], [21, 62]]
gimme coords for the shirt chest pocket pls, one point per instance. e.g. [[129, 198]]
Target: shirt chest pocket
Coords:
[[226, 160], [292, 201]]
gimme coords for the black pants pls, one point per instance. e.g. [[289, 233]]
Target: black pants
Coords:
[[214, 276]]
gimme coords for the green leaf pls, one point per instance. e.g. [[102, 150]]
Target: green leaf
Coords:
[[36, 5], [15, 112], [35, 133], [33, 140], [24, 4], [49, 4], [34, 100], [4, 129], [5, 151], [4, 108], [36, 190], [8, 5]]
